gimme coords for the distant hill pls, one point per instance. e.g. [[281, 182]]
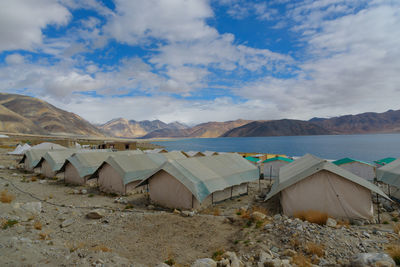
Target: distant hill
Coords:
[[204, 130], [132, 129], [25, 114], [370, 122], [277, 128]]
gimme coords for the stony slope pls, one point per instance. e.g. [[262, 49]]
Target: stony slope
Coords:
[[24, 114], [370, 122], [277, 128]]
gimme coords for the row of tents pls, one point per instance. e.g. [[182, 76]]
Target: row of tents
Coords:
[[171, 178]]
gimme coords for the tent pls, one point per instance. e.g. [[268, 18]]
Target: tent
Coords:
[[20, 150], [200, 181], [252, 159], [121, 173], [80, 166], [361, 168], [53, 160], [48, 146], [390, 175], [4, 136], [210, 153], [311, 183], [384, 161], [31, 159], [156, 150], [272, 166], [191, 154]]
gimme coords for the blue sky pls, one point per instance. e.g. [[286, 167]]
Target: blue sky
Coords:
[[203, 60]]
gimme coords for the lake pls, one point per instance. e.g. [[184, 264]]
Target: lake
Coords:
[[367, 147]]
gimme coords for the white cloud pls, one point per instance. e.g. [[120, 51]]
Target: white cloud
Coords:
[[14, 59], [22, 22]]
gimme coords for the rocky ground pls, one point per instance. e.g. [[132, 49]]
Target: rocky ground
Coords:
[[45, 223]]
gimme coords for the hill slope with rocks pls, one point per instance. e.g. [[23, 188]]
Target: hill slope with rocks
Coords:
[[25, 114]]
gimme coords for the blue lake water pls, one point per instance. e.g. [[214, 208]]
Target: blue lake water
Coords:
[[368, 147]]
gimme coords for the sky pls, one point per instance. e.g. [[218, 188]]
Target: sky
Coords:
[[195, 61]]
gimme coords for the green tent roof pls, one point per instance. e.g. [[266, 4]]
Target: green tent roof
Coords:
[[205, 175], [33, 156], [87, 163], [349, 160], [278, 158], [385, 161], [252, 159], [308, 165], [57, 158], [390, 173]]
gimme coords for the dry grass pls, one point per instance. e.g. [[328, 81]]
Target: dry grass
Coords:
[[212, 211], [312, 216], [6, 197], [394, 252], [301, 260], [217, 255], [73, 247], [396, 228], [33, 178], [37, 225], [315, 249], [259, 209], [102, 248], [295, 243], [44, 236], [344, 223]]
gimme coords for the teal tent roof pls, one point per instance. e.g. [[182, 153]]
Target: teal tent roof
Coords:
[[385, 161], [349, 160], [390, 173], [278, 158], [33, 156], [205, 175], [252, 159], [56, 158], [308, 165]]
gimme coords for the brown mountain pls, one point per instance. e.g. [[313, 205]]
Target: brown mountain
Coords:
[[277, 128], [131, 129], [370, 122], [204, 130], [25, 114]]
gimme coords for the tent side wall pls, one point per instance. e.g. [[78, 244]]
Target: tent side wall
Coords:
[[362, 170], [71, 175], [46, 170], [167, 191], [271, 169], [132, 189], [328, 193], [110, 180]]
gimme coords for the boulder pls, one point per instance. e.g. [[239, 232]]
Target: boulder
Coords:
[[177, 211], [67, 223], [95, 214], [331, 222], [372, 259], [235, 262], [187, 213], [258, 216], [206, 262]]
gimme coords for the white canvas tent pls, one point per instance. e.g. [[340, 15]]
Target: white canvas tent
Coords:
[[272, 166], [31, 159], [4, 136], [390, 175], [210, 153], [48, 146], [361, 168], [200, 181], [80, 166], [53, 160], [191, 154], [311, 183], [120, 174], [156, 150]]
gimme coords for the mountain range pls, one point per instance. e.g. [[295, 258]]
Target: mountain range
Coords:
[[25, 114]]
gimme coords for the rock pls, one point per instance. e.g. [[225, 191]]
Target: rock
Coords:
[[151, 207], [388, 207], [277, 217], [206, 262], [11, 167], [235, 262], [372, 259], [15, 174], [95, 214], [273, 263], [42, 181], [395, 214], [177, 211], [289, 252], [83, 191], [2, 167], [162, 265], [364, 233], [33, 208], [224, 263], [264, 256], [75, 191], [258, 216], [187, 213], [331, 222], [67, 223]]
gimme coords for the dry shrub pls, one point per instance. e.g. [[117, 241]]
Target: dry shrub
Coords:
[[217, 255], [102, 248], [34, 179], [37, 225], [5, 197], [212, 211], [301, 260], [394, 252], [396, 228], [245, 214], [73, 247], [44, 236], [295, 243], [216, 212], [312, 216], [315, 249], [344, 223], [259, 209]]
